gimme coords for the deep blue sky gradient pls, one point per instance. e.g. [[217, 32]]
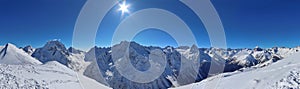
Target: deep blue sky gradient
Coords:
[[247, 23]]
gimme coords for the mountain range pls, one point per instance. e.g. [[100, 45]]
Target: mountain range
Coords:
[[55, 66]]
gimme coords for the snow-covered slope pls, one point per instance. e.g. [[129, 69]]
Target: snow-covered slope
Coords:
[[89, 83], [284, 74], [10, 54], [51, 75]]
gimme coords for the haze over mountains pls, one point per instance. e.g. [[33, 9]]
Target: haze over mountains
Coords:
[[55, 66]]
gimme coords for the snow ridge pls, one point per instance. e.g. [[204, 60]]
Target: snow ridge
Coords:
[[10, 54]]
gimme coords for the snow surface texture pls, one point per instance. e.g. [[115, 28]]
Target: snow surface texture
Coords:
[[50, 75], [71, 68]]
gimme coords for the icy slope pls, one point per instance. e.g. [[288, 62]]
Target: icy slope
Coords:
[[284, 74], [10, 54]]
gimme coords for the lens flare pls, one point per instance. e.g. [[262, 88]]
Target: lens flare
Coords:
[[124, 7]]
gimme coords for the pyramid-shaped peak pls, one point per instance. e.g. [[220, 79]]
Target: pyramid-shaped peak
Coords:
[[124, 42], [127, 43], [257, 48], [55, 44], [194, 48], [28, 47]]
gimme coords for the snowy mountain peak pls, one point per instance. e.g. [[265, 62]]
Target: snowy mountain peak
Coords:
[[130, 44], [4, 50], [52, 51], [194, 49], [10, 54], [55, 44], [10, 46], [123, 43], [56, 51], [29, 49], [245, 58], [257, 48]]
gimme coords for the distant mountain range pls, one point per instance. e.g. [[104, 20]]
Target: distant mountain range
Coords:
[[98, 64]]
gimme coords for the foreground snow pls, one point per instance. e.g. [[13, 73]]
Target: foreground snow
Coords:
[[284, 74], [51, 75], [88, 83]]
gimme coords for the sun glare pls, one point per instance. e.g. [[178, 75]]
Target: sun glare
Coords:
[[123, 7]]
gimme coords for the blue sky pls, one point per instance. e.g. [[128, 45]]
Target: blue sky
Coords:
[[247, 23]]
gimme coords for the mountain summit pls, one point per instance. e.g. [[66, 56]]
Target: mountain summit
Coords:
[[10, 54], [56, 51], [52, 51]]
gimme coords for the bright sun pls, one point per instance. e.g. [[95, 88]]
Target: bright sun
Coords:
[[124, 7]]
